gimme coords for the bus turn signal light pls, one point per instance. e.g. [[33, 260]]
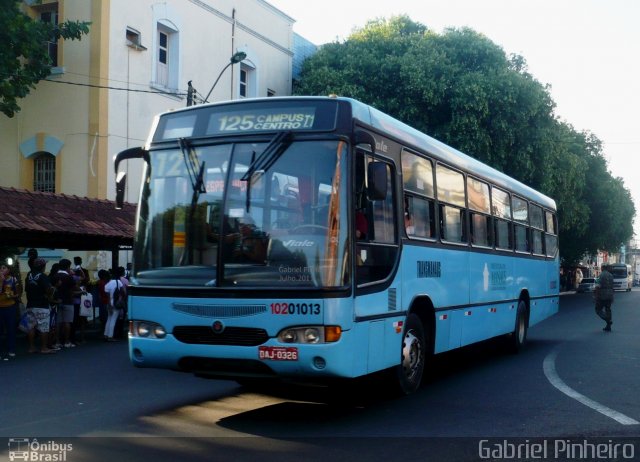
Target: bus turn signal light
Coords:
[[332, 333]]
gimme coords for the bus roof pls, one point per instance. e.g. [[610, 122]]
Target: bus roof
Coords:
[[445, 153], [413, 139]]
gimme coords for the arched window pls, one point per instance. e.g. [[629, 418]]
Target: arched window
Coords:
[[44, 172]]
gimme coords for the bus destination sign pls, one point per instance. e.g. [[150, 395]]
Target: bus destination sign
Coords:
[[241, 118], [265, 119]]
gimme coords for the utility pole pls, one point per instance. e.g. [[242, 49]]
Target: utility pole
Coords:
[[190, 94]]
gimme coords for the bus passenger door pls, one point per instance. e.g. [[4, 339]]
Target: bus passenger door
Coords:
[[376, 252]]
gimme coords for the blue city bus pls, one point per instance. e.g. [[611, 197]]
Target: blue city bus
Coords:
[[316, 238]]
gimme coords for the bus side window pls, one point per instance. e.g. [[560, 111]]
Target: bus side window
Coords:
[[382, 215], [452, 224], [480, 226], [521, 238], [550, 237], [479, 200], [537, 241], [419, 217], [503, 234], [501, 209]]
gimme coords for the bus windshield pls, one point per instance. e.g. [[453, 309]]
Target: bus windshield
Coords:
[[245, 215], [618, 272]]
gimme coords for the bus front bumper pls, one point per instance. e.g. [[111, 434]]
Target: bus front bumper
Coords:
[[272, 359]]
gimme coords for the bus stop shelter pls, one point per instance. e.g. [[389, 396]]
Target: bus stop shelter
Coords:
[[60, 221]]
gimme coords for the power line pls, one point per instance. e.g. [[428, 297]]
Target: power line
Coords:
[[107, 87]]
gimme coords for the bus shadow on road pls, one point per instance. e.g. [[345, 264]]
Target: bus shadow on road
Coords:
[[479, 355], [317, 408]]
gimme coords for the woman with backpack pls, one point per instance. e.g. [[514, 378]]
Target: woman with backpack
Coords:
[[117, 301], [39, 298]]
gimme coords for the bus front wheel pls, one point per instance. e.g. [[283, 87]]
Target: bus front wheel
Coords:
[[413, 356]]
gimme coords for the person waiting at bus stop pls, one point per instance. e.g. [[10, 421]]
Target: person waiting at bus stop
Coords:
[[39, 298], [604, 297]]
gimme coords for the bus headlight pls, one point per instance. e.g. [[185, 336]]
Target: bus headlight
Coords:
[[159, 331], [147, 329], [310, 334], [143, 329], [288, 336]]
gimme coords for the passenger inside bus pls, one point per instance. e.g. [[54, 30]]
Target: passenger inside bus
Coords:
[[408, 223], [362, 226]]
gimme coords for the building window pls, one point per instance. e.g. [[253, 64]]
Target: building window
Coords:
[[244, 82], [247, 81], [166, 57], [133, 39], [44, 173], [51, 17], [163, 58]]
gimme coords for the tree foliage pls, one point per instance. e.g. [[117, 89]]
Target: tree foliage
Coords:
[[463, 89], [24, 60]]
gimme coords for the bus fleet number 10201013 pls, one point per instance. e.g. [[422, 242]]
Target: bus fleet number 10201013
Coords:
[[295, 308]]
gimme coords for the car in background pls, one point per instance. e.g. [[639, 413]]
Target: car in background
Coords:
[[586, 285]]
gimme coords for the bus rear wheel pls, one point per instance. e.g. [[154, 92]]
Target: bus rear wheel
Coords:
[[413, 356], [518, 338]]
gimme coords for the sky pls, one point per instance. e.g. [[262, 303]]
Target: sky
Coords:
[[588, 51]]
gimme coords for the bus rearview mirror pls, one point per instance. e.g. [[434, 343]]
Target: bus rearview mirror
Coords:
[[377, 181], [121, 181], [121, 177]]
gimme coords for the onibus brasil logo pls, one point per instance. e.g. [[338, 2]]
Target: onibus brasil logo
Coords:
[[28, 449]]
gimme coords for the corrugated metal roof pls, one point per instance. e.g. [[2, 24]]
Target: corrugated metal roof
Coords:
[[61, 221]]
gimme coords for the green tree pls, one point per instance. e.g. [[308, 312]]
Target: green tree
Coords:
[[24, 60], [463, 89]]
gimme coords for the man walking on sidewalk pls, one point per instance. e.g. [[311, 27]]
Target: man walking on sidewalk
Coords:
[[604, 297]]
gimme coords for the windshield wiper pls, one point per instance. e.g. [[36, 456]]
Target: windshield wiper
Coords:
[[247, 201], [276, 147], [195, 170]]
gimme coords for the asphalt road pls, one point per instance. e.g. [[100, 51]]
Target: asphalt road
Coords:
[[572, 382]]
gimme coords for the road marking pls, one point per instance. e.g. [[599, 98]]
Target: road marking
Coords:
[[549, 367]]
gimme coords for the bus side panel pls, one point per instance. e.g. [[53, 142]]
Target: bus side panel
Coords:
[[440, 274], [484, 322], [492, 290], [544, 291], [490, 278], [445, 324], [381, 338], [375, 360]]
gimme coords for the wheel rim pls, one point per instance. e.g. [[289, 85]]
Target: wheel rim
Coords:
[[412, 354]]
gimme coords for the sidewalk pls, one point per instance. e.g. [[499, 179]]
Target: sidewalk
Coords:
[[93, 334]]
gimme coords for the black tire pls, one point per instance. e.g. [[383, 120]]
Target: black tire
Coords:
[[518, 338], [413, 356]]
